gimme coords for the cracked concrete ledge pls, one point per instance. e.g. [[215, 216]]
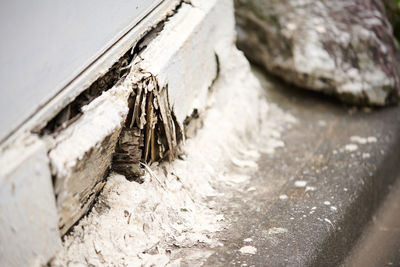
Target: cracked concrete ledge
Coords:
[[28, 216], [81, 154]]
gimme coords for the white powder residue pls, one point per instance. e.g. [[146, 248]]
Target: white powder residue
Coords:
[[366, 155], [310, 188], [248, 250], [146, 224], [363, 140], [351, 147], [358, 139]]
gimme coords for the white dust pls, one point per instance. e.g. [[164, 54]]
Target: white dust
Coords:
[[154, 222]]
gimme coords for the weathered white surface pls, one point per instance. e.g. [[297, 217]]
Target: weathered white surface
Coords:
[[28, 216], [82, 153]]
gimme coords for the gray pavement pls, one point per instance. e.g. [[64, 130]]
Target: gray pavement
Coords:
[[349, 159]]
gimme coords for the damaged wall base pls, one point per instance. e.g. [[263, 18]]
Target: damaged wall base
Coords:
[[140, 119], [169, 78], [172, 218]]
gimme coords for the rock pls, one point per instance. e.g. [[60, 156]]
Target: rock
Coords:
[[342, 47]]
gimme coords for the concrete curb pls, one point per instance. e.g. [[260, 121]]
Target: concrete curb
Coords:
[[315, 196]]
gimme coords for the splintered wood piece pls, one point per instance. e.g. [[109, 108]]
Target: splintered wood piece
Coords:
[[150, 133], [169, 129], [136, 107], [142, 117], [149, 125]]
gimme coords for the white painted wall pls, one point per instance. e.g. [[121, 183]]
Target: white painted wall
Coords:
[[45, 44]]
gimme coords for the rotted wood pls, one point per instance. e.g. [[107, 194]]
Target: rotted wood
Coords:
[[150, 133]]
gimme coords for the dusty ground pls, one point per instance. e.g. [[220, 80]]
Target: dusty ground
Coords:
[[173, 217]]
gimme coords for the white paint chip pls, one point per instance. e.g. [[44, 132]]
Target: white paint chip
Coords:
[[358, 139], [310, 188], [351, 147], [300, 183], [329, 221], [248, 250], [366, 155], [363, 140], [251, 189], [247, 240], [276, 230], [327, 203], [220, 218], [333, 208], [283, 197]]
